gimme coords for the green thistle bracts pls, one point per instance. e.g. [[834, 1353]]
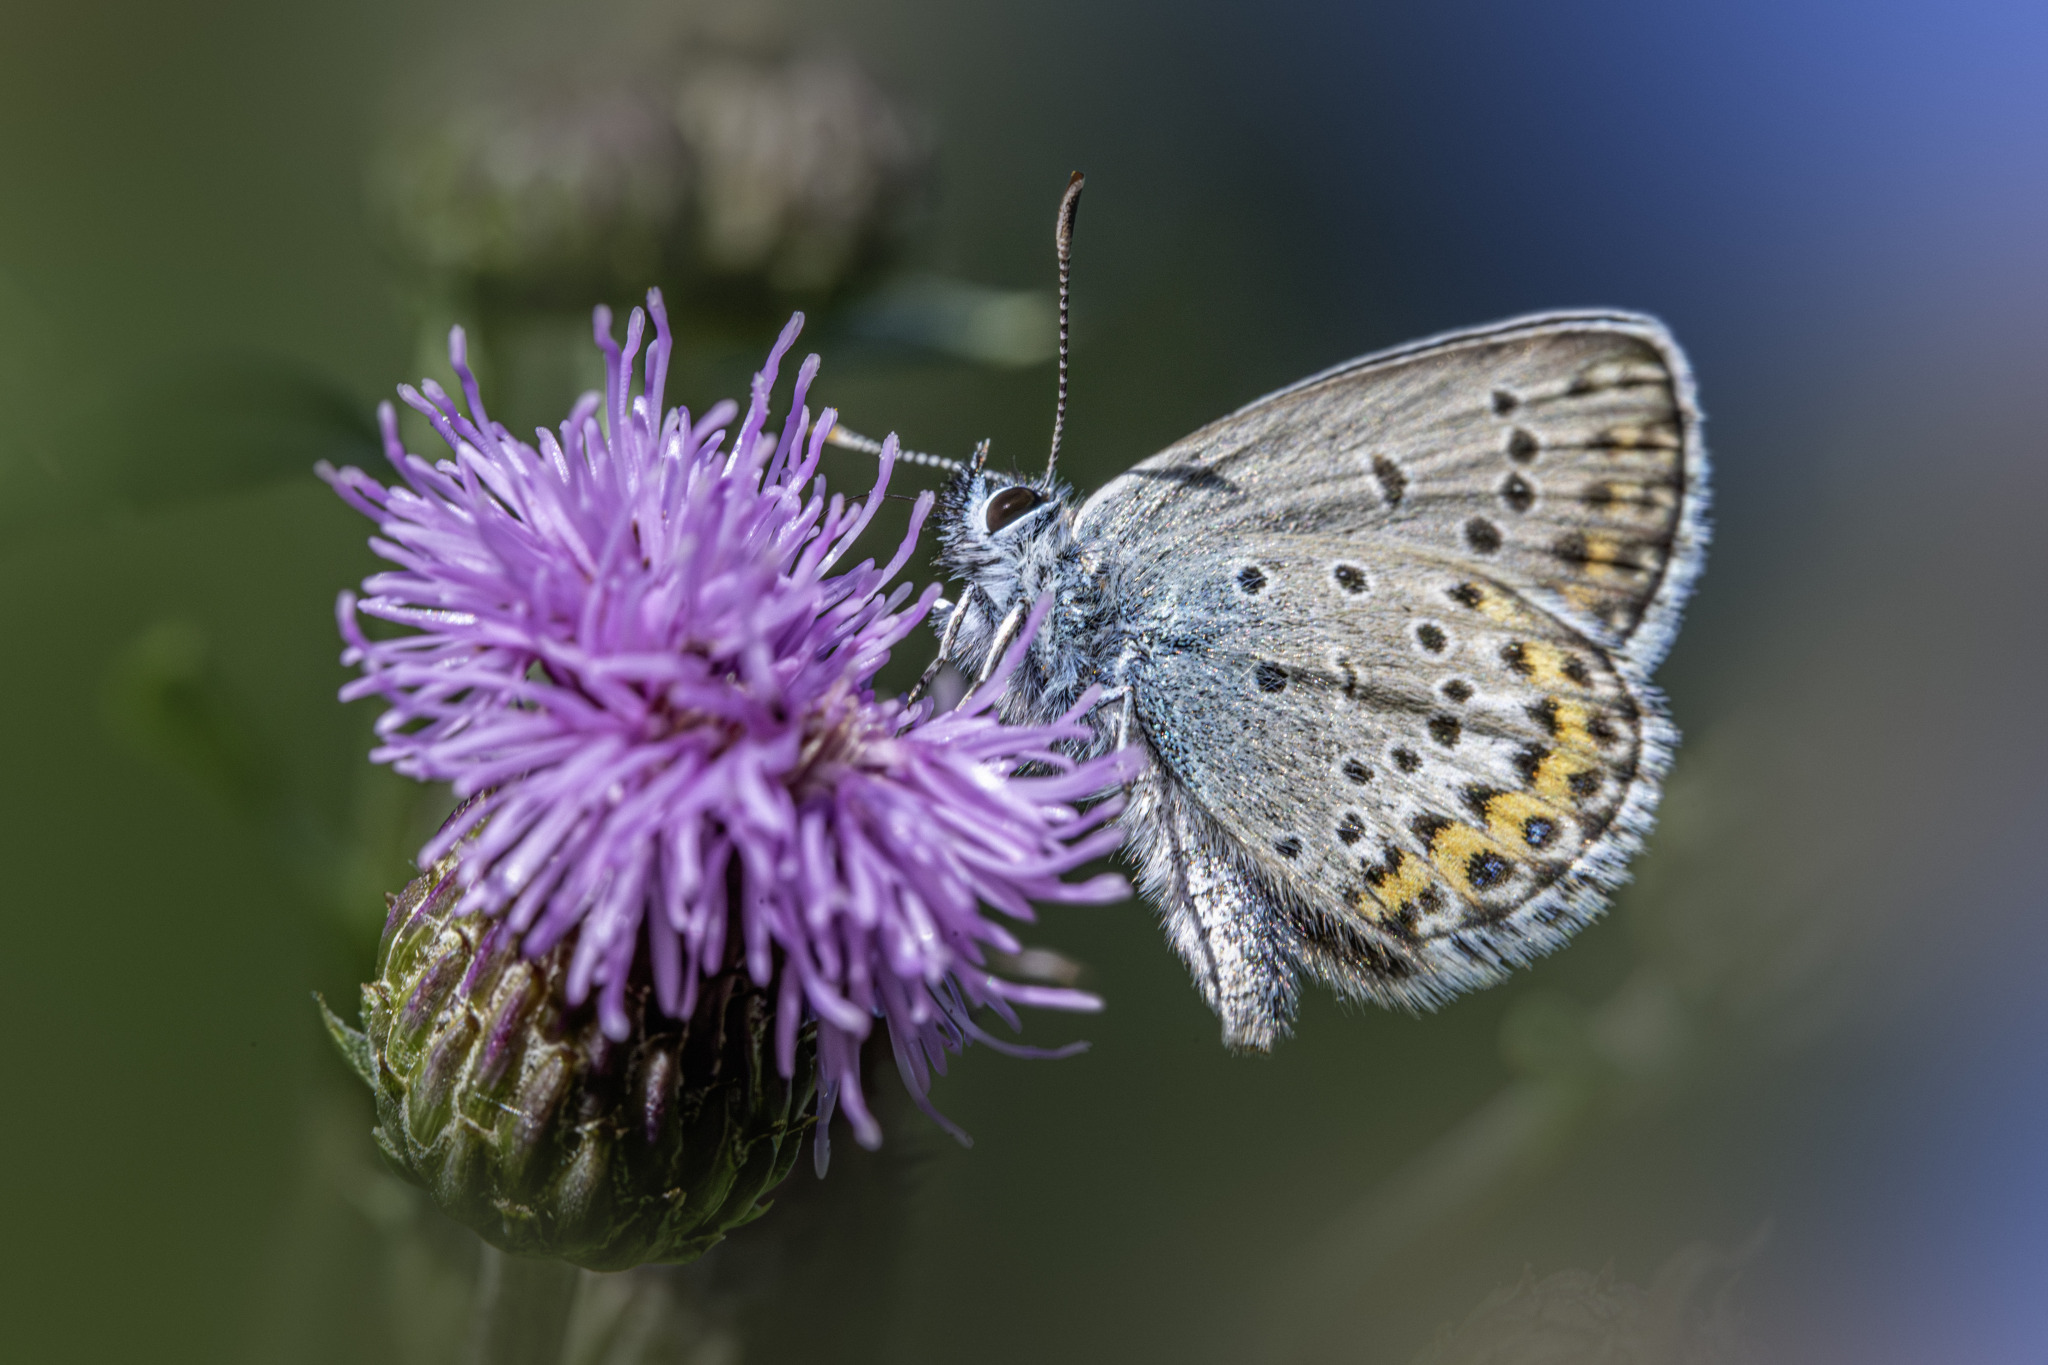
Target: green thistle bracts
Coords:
[[523, 1120]]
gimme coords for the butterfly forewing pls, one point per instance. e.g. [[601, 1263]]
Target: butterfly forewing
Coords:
[[1558, 455], [1430, 776]]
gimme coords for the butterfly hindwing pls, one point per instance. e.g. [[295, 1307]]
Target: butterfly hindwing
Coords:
[[1425, 777]]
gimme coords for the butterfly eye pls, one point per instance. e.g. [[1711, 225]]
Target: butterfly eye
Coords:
[[1010, 504]]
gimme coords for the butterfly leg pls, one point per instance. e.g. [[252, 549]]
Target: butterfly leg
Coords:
[[999, 646], [946, 639], [1126, 702]]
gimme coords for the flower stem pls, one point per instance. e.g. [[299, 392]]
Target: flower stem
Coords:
[[522, 1310]]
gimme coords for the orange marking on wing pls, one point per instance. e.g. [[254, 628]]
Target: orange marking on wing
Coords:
[[1388, 893]]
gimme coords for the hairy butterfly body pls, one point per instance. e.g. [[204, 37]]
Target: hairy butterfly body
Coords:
[[1383, 640]]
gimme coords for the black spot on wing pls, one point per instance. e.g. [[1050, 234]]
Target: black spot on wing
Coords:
[[1289, 847], [1486, 869], [1270, 677], [1446, 730], [1349, 577], [1393, 483], [1406, 760], [1356, 771], [1522, 445], [1251, 578], [1427, 827], [1517, 493], [1352, 690], [1379, 873], [1431, 637], [1457, 690], [1482, 535]]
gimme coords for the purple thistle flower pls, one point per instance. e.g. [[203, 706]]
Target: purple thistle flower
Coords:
[[629, 645]]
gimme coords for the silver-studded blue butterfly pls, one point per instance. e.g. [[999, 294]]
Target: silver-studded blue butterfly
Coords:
[[1384, 641]]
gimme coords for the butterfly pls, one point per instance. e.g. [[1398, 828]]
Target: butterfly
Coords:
[[1383, 641]]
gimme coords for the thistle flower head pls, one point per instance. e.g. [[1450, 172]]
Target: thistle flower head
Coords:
[[634, 645]]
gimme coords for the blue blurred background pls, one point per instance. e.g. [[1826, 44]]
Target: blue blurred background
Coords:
[[1793, 1091]]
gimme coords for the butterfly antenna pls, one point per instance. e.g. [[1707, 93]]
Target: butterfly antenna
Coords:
[[1063, 239], [847, 439]]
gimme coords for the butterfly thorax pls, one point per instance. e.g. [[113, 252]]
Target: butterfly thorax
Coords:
[[1030, 553]]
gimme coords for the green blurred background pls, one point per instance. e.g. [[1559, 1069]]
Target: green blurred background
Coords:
[[1793, 1089]]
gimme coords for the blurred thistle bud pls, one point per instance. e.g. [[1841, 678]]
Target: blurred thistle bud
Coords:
[[526, 1121], [724, 158], [801, 167]]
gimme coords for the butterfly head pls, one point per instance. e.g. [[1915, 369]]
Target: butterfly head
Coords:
[[1006, 540], [994, 527]]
